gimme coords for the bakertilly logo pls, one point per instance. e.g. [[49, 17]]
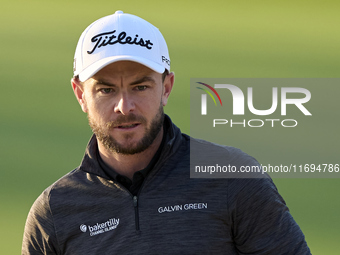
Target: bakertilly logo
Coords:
[[100, 228]]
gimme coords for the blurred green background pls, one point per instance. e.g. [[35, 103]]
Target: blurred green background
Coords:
[[44, 133]]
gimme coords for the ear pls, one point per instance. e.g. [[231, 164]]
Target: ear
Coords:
[[167, 87], [78, 89]]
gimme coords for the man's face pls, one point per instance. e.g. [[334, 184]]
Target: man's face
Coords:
[[124, 103]]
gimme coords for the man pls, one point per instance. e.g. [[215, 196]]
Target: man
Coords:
[[132, 193]]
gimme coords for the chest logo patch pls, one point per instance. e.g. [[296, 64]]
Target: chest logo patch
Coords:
[[100, 228], [185, 207]]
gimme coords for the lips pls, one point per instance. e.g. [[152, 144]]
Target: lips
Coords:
[[127, 125], [126, 122]]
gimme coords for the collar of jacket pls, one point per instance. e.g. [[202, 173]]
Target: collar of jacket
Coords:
[[173, 140]]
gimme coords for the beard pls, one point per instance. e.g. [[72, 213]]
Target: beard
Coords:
[[103, 132]]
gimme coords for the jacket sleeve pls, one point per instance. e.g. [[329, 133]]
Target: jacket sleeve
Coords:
[[39, 233], [262, 223]]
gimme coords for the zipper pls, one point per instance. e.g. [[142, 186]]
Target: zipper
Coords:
[[135, 198], [135, 205]]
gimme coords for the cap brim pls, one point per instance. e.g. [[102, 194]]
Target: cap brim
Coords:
[[97, 66]]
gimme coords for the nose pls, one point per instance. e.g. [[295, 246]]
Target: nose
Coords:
[[125, 104]]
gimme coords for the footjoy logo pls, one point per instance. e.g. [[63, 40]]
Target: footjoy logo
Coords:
[[100, 228], [301, 97]]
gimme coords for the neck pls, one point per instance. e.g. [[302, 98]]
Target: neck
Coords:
[[127, 165]]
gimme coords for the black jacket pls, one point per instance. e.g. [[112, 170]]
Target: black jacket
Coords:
[[87, 213]]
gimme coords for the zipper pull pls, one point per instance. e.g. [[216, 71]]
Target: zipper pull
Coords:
[[135, 205], [135, 201]]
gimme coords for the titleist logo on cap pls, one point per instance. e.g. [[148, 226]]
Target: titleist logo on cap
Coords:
[[109, 38]]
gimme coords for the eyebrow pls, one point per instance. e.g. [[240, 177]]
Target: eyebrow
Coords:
[[101, 82], [143, 79], [139, 81]]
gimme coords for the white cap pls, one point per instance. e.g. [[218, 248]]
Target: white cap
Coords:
[[117, 37]]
